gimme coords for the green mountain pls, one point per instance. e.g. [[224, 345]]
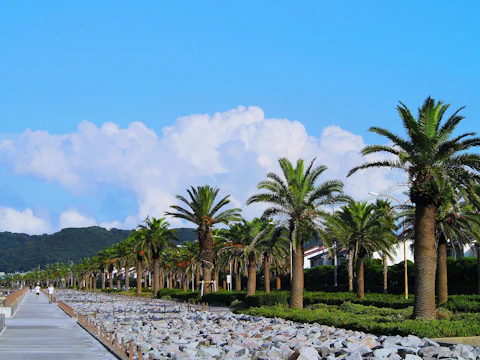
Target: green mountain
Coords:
[[22, 252]]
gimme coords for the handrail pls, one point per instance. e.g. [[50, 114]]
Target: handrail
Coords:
[[115, 343]]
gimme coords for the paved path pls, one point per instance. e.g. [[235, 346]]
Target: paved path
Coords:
[[39, 330]]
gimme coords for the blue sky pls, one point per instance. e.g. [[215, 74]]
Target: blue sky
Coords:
[[328, 69]]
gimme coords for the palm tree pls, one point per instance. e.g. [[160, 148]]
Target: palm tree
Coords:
[[386, 211], [247, 244], [298, 203], [457, 222], [274, 251], [156, 237], [136, 239], [359, 227], [204, 212], [190, 252], [124, 256], [435, 162]]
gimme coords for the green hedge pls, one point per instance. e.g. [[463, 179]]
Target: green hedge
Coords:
[[270, 299], [223, 297], [380, 321], [463, 303], [337, 298], [179, 294]]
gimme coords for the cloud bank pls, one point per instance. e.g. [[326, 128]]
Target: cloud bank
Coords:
[[232, 150]]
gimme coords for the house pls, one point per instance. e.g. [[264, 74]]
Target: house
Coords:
[[319, 255]]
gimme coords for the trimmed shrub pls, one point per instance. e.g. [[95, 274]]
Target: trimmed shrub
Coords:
[[270, 299], [223, 297]]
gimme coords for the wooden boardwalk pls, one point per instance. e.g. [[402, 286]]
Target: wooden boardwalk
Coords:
[[39, 330]]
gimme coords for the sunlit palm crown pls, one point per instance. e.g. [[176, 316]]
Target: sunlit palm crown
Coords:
[[430, 155], [203, 210], [295, 197]]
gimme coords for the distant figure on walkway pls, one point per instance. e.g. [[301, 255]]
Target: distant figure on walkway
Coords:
[[31, 289], [37, 290], [50, 293]]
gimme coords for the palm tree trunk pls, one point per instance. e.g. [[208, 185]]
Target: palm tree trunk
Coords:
[[350, 270], [161, 280], [360, 277], [119, 281], [296, 295], [425, 261], [252, 274], [385, 274], [266, 267], [94, 282], [185, 282], [139, 276], [110, 279], [103, 280], [238, 281], [278, 282], [217, 277], [127, 276], [198, 276], [206, 258], [442, 277], [156, 273]]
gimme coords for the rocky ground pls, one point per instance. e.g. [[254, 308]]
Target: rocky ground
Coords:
[[172, 331]]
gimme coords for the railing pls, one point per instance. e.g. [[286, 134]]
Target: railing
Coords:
[[10, 299], [110, 338]]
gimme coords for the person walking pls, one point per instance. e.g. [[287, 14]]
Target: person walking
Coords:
[[37, 290], [31, 289], [50, 293]]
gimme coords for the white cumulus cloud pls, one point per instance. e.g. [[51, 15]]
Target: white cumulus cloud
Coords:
[[72, 218], [22, 222], [232, 150]]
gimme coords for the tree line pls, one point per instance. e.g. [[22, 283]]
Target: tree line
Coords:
[[444, 194]]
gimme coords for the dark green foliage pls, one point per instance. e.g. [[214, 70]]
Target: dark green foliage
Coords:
[[270, 299], [179, 294], [380, 321], [223, 297], [464, 271], [371, 299], [186, 234], [321, 278], [463, 303], [22, 252]]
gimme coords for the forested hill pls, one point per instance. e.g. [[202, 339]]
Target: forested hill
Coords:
[[22, 252]]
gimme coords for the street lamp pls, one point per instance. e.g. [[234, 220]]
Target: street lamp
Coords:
[[404, 242]]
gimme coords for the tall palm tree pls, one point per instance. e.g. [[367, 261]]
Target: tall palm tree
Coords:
[[434, 161], [204, 213], [299, 204], [455, 222], [156, 237]]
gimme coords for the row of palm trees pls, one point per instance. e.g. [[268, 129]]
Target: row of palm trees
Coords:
[[244, 248], [443, 180]]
